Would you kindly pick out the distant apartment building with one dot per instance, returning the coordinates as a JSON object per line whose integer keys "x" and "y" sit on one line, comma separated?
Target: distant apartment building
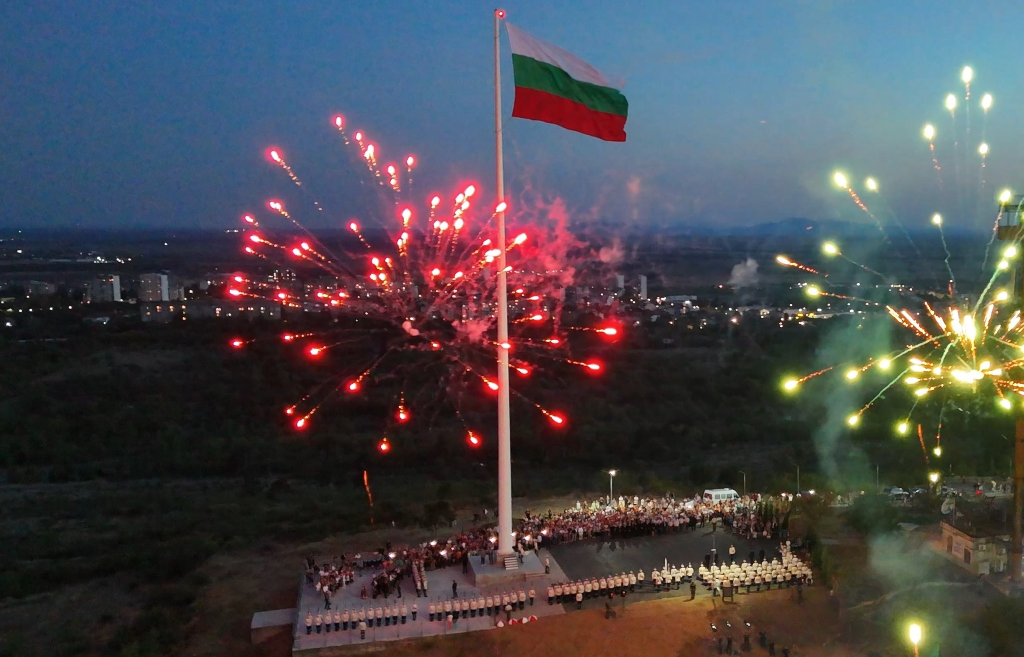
{"x": 643, "y": 288}
{"x": 103, "y": 290}
{"x": 283, "y": 276}
{"x": 40, "y": 289}
{"x": 154, "y": 287}
{"x": 166, "y": 311}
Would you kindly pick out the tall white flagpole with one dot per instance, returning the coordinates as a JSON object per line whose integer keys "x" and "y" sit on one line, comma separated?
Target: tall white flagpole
{"x": 505, "y": 543}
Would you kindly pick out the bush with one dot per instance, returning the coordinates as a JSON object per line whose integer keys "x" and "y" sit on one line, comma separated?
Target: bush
{"x": 1001, "y": 625}
{"x": 821, "y": 560}
{"x": 872, "y": 514}
{"x": 174, "y": 595}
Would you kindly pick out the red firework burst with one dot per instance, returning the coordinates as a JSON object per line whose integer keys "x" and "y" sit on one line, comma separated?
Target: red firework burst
{"x": 413, "y": 299}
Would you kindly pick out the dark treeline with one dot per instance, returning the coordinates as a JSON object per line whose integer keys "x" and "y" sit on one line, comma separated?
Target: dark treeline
{"x": 177, "y": 401}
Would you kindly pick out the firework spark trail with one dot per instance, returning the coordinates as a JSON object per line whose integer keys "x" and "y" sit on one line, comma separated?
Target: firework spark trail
{"x": 1001, "y": 267}
{"x": 881, "y": 393}
{"x": 793, "y": 384}
{"x": 815, "y": 291}
{"x": 967, "y": 75}
{"x": 920, "y": 438}
{"x": 929, "y": 135}
{"x": 832, "y": 249}
{"x": 951, "y": 106}
{"x": 786, "y": 262}
{"x": 278, "y": 158}
{"x": 983, "y": 150}
{"x": 369, "y": 494}
{"x": 938, "y": 430}
{"x": 937, "y": 222}
{"x": 839, "y": 178}
{"x": 992, "y": 238}
{"x": 986, "y": 105}
{"x": 278, "y": 207}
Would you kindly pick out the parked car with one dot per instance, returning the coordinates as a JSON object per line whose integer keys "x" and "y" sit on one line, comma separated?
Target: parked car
{"x": 897, "y": 493}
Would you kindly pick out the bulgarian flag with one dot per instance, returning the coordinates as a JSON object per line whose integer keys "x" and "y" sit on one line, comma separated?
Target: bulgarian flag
{"x": 555, "y": 86}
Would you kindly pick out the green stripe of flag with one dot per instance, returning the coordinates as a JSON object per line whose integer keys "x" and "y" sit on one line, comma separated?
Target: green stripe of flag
{"x": 538, "y": 75}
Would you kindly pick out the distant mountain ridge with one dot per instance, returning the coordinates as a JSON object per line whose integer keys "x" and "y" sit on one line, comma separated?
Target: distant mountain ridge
{"x": 799, "y": 227}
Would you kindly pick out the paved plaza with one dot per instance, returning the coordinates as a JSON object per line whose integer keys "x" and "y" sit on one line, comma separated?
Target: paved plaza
{"x": 589, "y": 558}
{"x": 600, "y": 557}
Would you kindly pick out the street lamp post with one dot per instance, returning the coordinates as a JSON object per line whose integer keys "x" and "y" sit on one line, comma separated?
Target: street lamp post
{"x": 611, "y": 478}
{"x": 744, "y": 481}
{"x": 1017, "y": 535}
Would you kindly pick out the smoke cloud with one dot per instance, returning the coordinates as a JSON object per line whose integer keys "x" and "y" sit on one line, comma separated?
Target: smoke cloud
{"x": 612, "y": 254}
{"x": 744, "y": 274}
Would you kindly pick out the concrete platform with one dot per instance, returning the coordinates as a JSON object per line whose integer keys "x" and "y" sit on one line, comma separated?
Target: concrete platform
{"x": 266, "y": 624}
{"x": 439, "y": 589}
{"x": 485, "y": 575}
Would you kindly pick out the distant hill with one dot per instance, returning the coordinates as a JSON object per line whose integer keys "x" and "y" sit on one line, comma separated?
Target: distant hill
{"x": 797, "y": 227}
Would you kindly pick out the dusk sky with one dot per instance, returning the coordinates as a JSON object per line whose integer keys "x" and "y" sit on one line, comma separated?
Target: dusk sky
{"x": 159, "y": 113}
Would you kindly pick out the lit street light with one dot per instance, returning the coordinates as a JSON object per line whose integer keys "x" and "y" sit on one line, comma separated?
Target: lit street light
{"x": 915, "y": 636}
{"x": 611, "y": 478}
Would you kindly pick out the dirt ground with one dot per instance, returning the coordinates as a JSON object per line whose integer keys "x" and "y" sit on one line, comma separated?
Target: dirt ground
{"x": 670, "y": 628}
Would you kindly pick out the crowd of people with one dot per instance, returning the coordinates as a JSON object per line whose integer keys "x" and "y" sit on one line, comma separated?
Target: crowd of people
{"x": 594, "y": 587}
{"x": 624, "y": 517}
{"x": 752, "y": 516}
{"x": 496, "y": 604}
{"x": 784, "y": 571}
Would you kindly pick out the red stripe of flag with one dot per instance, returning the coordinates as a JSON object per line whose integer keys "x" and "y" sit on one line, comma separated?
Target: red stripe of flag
{"x": 549, "y": 108}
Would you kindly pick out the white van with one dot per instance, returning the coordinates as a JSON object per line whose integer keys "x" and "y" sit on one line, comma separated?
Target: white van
{"x": 714, "y": 495}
